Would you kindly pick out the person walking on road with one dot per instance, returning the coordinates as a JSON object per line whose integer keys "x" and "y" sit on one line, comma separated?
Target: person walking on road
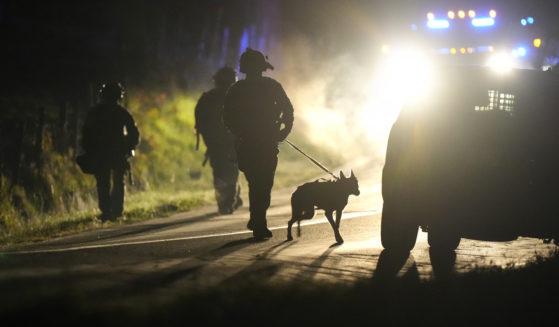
{"x": 109, "y": 137}
{"x": 219, "y": 141}
{"x": 260, "y": 115}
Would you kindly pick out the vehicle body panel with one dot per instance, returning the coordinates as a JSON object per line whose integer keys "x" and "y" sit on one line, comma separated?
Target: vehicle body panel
{"x": 487, "y": 168}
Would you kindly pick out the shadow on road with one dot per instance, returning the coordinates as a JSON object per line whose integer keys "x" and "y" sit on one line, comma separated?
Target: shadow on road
{"x": 391, "y": 262}
{"x": 234, "y": 246}
{"x": 262, "y": 268}
{"x": 244, "y": 241}
{"x": 307, "y": 273}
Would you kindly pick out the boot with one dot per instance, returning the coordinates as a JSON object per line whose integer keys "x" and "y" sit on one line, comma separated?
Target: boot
{"x": 262, "y": 234}
{"x": 259, "y": 226}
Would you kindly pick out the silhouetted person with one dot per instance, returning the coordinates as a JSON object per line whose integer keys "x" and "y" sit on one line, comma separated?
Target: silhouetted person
{"x": 220, "y": 143}
{"x": 109, "y": 138}
{"x": 260, "y": 115}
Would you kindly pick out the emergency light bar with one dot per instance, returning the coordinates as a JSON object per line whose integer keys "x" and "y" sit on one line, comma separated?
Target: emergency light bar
{"x": 433, "y": 23}
{"x": 438, "y": 24}
{"x": 483, "y": 22}
{"x": 519, "y": 52}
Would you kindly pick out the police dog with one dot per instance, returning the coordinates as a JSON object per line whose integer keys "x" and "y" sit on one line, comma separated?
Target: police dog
{"x": 329, "y": 195}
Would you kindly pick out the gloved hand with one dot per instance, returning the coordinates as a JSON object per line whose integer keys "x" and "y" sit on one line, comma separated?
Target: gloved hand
{"x": 282, "y": 135}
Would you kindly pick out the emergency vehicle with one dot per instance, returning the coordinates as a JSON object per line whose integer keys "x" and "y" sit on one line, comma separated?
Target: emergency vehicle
{"x": 478, "y": 156}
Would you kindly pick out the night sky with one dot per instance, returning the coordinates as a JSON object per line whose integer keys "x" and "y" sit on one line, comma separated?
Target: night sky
{"x": 60, "y": 46}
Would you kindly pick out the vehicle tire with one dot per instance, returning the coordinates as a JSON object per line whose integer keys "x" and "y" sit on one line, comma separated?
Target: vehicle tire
{"x": 443, "y": 238}
{"x": 398, "y": 229}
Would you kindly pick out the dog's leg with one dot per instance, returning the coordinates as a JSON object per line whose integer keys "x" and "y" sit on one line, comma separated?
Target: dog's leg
{"x": 303, "y": 214}
{"x": 289, "y": 224}
{"x": 339, "y": 238}
{"x": 338, "y": 217}
{"x": 294, "y": 213}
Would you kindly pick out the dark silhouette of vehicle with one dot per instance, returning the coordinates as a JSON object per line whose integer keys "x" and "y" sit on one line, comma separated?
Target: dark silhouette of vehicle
{"x": 479, "y": 160}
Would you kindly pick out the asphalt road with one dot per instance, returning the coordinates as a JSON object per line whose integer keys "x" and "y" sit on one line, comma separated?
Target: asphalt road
{"x": 162, "y": 257}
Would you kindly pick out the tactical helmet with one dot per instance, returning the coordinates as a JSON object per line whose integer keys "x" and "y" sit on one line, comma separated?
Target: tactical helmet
{"x": 254, "y": 60}
{"x": 225, "y": 75}
{"x": 112, "y": 92}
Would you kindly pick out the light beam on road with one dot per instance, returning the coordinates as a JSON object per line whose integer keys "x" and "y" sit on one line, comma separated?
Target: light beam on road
{"x": 349, "y": 215}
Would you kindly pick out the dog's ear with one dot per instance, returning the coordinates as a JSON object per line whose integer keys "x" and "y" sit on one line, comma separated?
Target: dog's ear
{"x": 342, "y": 176}
{"x": 352, "y": 175}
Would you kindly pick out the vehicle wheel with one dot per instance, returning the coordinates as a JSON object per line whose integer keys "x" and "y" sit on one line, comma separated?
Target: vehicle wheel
{"x": 398, "y": 230}
{"x": 443, "y": 238}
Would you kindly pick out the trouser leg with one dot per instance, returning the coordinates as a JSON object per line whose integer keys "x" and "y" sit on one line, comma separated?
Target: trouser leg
{"x": 260, "y": 178}
{"x": 225, "y": 176}
{"x": 238, "y": 201}
{"x": 117, "y": 194}
{"x": 103, "y": 179}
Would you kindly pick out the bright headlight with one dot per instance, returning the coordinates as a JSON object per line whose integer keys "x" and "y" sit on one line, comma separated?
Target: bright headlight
{"x": 408, "y": 75}
{"x": 402, "y": 77}
{"x": 500, "y": 62}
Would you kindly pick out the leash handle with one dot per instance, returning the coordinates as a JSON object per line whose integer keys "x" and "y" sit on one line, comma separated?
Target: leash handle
{"x": 311, "y": 159}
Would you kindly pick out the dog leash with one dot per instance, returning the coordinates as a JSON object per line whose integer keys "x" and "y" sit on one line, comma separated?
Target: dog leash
{"x": 311, "y": 159}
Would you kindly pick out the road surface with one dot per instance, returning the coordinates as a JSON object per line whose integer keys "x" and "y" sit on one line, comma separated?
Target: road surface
{"x": 161, "y": 257}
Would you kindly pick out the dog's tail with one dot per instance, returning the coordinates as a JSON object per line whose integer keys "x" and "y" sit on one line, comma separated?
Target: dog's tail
{"x": 298, "y": 228}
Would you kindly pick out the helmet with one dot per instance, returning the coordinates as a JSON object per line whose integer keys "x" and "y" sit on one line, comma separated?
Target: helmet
{"x": 112, "y": 92}
{"x": 254, "y": 60}
{"x": 225, "y": 75}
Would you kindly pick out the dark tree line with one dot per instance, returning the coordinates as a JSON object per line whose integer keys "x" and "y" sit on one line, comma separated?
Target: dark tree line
{"x": 60, "y": 45}
{"x": 56, "y": 54}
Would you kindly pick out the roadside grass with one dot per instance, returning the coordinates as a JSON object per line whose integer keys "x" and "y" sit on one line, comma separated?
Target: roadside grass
{"x": 146, "y": 205}
{"x": 138, "y": 207}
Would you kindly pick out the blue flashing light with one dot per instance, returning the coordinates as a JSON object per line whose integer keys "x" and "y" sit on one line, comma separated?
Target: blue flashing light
{"x": 521, "y": 51}
{"x": 443, "y": 51}
{"x": 244, "y": 42}
{"x": 523, "y": 22}
{"x": 484, "y": 48}
{"x": 530, "y": 20}
{"x": 438, "y": 23}
{"x": 483, "y": 22}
